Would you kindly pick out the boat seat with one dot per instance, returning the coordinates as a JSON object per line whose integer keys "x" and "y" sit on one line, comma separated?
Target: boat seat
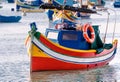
{"x": 73, "y": 39}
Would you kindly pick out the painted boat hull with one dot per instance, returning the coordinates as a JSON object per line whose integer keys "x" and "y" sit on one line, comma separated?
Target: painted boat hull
{"x": 22, "y": 4}
{"x": 46, "y": 55}
{"x": 53, "y": 64}
{"x": 10, "y": 1}
{"x": 10, "y": 18}
{"x": 116, "y": 4}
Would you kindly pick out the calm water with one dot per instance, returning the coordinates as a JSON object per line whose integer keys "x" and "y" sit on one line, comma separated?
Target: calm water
{"x": 14, "y": 61}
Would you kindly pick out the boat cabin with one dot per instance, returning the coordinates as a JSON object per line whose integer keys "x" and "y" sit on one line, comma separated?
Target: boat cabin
{"x": 74, "y": 39}
{"x": 68, "y": 38}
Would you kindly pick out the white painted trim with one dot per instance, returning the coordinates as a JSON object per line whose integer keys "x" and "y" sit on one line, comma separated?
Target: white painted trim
{"x": 62, "y": 57}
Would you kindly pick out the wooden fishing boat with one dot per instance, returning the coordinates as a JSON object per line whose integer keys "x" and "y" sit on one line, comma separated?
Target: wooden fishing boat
{"x": 50, "y": 13}
{"x": 97, "y": 2}
{"x": 28, "y": 6}
{"x": 66, "y": 50}
{"x": 116, "y": 3}
{"x": 91, "y": 4}
{"x": 83, "y": 4}
{"x": 10, "y": 18}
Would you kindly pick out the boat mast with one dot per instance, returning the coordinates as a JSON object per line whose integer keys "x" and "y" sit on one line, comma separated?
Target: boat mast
{"x": 114, "y": 25}
{"x": 113, "y": 35}
{"x": 106, "y": 27}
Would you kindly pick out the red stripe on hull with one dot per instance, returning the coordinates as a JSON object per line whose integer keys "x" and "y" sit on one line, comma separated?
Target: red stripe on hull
{"x": 42, "y": 63}
{"x": 64, "y": 51}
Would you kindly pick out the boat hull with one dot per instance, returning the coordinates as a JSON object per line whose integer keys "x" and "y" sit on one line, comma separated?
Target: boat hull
{"x": 32, "y": 6}
{"x": 53, "y": 64}
{"x": 45, "y": 56}
{"x": 10, "y": 18}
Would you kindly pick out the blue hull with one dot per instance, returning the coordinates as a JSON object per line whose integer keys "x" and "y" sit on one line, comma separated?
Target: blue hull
{"x": 10, "y": 1}
{"x": 24, "y": 4}
{"x": 116, "y": 6}
{"x": 10, "y": 18}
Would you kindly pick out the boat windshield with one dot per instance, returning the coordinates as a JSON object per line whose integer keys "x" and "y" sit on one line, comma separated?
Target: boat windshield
{"x": 67, "y": 36}
{"x": 52, "y": 35}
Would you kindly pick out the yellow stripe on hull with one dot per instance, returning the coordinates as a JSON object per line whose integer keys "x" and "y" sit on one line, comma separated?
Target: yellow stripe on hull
{"x": 36, "y": 52}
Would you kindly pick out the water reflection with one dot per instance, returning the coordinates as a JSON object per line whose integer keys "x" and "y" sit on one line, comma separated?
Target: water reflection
{"x": 109, "y": 73}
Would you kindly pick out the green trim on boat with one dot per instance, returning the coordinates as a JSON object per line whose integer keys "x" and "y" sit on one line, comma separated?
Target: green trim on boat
{"x": 37, "y": 35}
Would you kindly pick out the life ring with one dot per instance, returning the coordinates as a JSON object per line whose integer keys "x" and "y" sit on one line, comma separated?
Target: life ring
{"x": 85, "y": 34}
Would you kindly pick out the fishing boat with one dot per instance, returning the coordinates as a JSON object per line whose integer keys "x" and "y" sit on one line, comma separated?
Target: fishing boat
{"x": 83, "y": 4}
{"x": 97, "y": 2}
{"x": 50, "y": 12}
{"x": 68, "y": 53}
{"x": 116, "y": 3}
{"x": 53, "y": 14}
{"x": 91, "y": 4}
{"x": 68, "y": 48}
{"x": 28, "y": 5}
{"x": 8, "y": 19}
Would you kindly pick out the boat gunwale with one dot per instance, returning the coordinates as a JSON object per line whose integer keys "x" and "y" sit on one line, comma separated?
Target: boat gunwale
{"x": 105, "y": 51}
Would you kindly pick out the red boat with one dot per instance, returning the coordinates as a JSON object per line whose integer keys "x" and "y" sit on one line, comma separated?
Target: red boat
{"x": 50, "y": 53}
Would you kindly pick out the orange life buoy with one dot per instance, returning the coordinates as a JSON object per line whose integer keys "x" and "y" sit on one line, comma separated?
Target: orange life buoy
{"x": 85, "y": 34}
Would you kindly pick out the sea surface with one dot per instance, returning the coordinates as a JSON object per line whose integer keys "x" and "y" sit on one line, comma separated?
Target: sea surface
{"x": 15, "y": 62}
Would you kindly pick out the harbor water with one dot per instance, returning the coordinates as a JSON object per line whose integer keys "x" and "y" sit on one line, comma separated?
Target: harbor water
{"x": 15, "y": 62}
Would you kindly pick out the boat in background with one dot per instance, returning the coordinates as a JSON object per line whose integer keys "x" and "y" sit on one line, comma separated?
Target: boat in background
{"x": 27, "y": 6}
{"x": 51, "y": 12}
{"x": 83, "y": 4}
{"x": 116, "y": 3}
{"x": 98, "y": 3}
{"x": 90, "y": 4}
{"x": 9, "y": 19}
